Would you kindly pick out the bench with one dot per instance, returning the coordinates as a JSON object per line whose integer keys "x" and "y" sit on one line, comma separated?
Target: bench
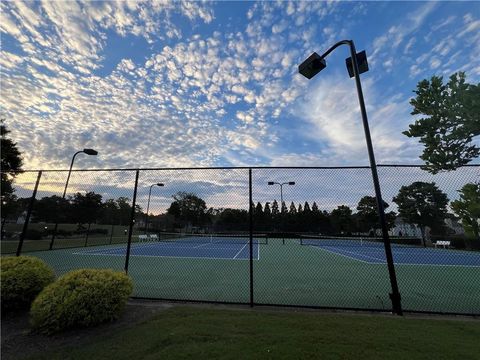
{"x": 142, "y": 238}
{"x": 153, "y": 237}
{"x": 443, "y": 243}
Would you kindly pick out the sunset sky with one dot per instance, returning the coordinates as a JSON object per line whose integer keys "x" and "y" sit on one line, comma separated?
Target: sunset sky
{"x": 162, "y": 84}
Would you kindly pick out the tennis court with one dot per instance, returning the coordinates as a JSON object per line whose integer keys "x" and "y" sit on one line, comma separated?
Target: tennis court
{"x": 373, "y": 252}
{"x": 194, "y": 246}
{"x": 301, "y": 272}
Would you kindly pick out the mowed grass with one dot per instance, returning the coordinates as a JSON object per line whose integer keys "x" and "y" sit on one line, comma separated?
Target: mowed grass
{"x": 205, "y": 333}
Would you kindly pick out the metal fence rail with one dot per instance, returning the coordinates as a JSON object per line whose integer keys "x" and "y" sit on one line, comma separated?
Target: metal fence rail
{"x": 288, "y": 236}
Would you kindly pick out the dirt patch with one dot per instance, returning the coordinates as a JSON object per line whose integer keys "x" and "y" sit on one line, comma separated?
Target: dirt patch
{"x": 18, "y": 341}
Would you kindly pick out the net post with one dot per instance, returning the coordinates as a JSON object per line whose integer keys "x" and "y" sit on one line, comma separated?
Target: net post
{"x": 250, "y": 233}
{"x": 132, "y": 219}
{"x": 29, "y": 213}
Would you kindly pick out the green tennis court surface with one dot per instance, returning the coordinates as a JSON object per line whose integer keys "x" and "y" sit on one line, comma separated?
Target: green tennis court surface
{"x": 289, "y": 274}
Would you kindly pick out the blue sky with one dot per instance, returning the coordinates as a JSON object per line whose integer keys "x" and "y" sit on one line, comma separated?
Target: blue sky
{"x": 163, "y": 84}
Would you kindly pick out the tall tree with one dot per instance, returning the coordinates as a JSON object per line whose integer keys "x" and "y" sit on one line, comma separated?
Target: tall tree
{"x": 52, "y": 209}
{"x": 452, "y": 120}
{"x": 342, "y": 219}
{"x": 86, "y": 208}
{"x": 468, "y": 208}
{"x": 275, "y": 210}
{"x": 188, "y": 208}
{"x": 422, "y": 204}
{"x": 11, "y": 164}
{"x": 368, "y": 214}
{"x": 293, "y": 209}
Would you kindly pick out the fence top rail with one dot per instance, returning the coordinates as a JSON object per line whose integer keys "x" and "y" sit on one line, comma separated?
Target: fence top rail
{"x": 232, "y": 168}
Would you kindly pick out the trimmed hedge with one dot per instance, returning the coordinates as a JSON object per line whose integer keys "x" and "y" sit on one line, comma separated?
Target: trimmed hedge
{"x": 81, "y": 298}
{"x": 22, "y": 278}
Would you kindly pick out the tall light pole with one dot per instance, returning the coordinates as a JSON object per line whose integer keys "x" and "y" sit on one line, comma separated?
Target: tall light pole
{"x": 85, "y": 151}
{"x": 148, "y": 205}
{"x": 281, "y": 198}
{"x": 357, "y": 64}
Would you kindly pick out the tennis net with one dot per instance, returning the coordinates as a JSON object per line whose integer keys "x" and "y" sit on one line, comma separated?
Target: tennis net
{"x": 356, "y": 241}
{"x": 211, "y": 238}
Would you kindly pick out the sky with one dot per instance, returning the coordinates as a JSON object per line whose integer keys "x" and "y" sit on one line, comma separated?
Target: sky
{"x": 185, "y": 84}
{"x": 196, "y": 84}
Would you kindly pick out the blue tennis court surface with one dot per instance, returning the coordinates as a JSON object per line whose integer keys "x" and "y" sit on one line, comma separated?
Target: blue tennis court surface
{"x": 211, "y": 249}
{"x": 404, "y": 255}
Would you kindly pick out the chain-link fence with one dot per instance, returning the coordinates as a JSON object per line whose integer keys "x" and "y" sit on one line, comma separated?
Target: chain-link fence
{"x": 261, "y": 236}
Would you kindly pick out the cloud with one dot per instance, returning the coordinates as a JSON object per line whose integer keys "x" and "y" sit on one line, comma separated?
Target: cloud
{"x": 333, "y": 117}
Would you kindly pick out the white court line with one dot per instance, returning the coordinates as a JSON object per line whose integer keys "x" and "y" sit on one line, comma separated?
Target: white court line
{"x": 92, "y": 253}
{"x": 338, "y": 254}
{"x": 239, "y": 251}
{"x": 199, "y": 246}
{"x": 360, "y": 254}
{"x": 396, "y": 263}
{"x": 171, "y": 257}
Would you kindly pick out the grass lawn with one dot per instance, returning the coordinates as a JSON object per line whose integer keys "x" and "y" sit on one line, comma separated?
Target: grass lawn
{"x": 204, "y": 333}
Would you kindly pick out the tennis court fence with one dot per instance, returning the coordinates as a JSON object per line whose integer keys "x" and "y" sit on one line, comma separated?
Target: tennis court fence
{"x": 279, "y": 236}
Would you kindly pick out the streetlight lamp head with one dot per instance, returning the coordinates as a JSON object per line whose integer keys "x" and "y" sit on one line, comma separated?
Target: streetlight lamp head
{"x": 271, "y": 183}
{"x": 312, "y": 66}
{"x": 160, "y": 184}
{"x": 362, "y": 63}
{"x": 291, "y": 183}
{"x": 90, "y": 151}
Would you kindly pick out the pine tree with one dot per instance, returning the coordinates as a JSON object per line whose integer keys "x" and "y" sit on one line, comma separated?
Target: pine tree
{"x": 293, "y": 209}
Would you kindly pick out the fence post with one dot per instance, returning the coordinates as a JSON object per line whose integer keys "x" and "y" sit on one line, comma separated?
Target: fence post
{"x": 251, "y": 233}
{"x": 132, "y": 220}
{"x": 111, "y": 234}
{"x": 88, "y": 233}
{"x": 29, "y": 212}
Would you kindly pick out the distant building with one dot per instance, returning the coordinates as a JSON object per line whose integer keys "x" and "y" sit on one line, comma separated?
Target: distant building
{"x": 401, "y": 228}
{"x": 455, "y": 228}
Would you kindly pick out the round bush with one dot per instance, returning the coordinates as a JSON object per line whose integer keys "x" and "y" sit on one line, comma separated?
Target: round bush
{"x": 81, "y": 298}
{"x": 22, "y": 278}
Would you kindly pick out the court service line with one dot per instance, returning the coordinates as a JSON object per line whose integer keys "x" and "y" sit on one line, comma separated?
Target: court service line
{"x": 359, "y": 254}
{"x": 238, "y": 253}
{"x": 343, "y": 255}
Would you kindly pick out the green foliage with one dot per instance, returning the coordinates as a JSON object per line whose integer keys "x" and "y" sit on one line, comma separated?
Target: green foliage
{"x": 11, "y": 163}
{"x": 342, "y": 219}
{"x": 368, "y": 214}
{"x": 22, "y": 278}
{"x": 468, "y": 208}
{"x": 188, "y": 209}
{"x": 452, "y": 119}
{"x": 81, "y": 298}
{"x": 422, "y": 203}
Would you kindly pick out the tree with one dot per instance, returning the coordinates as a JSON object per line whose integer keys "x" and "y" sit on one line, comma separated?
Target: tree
{"x": 188, "y": 209}
{"x": 368, "y": 214}
{"x": 422, "y": 204}
{"x": 342, "y": 219}
{"x": 468, "y": 208}
{"x": 86, "y": 209}
{"x": 452, "y": 120}
{"x": 293, "y": 209}
{"x": 52, "y": 209}
{"x": 124, "y": 211}
{"x": 275, "y": 210}
{"x": 11, "y": 164}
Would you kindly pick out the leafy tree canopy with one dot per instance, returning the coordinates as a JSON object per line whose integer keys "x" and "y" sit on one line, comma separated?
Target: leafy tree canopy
{"x": 368, "y": 214}
{"x": 468, "y": 208}
{"x": 11, "y": 162}
{"x": 422, "y": 203}
{"x": 452, "y": 120}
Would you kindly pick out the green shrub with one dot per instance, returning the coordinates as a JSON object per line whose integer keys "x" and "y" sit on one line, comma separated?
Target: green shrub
{"x": 22, "y": 278}
{"x": 81, "y": 298}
